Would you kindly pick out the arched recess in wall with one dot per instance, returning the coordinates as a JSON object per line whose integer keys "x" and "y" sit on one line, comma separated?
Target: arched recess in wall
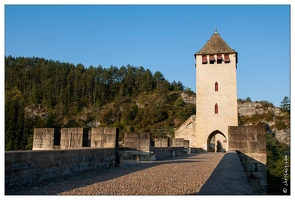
{"x": 209, "y": 143}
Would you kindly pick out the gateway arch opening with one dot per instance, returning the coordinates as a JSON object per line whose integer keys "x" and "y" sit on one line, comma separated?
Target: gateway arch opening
{"x": 216, "y": 142}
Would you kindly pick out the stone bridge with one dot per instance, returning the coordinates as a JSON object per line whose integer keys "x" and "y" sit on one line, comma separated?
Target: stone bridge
{"x": 140, "y": 169}
{"x": 189, "y": 174}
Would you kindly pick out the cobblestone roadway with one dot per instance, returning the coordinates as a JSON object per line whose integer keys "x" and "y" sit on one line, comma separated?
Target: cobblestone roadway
{"x": 178, "y": 176}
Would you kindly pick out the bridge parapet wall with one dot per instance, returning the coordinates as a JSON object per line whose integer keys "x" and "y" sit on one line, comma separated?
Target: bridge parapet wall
{"x": 228, "y": 178}
{"x": 43, "y": 138}
{"x": 167, "y": 152}
{"x": 30, "y": 167}
{"x": 71, "y": 138}
{"x": 177, "y": 142}
{"x": 75, "y": 138}
{"x": 137, "y": 141}
{"x": 104, "y": 137}
{"x": 161, "y": 142}
{"x": 250, "y": 143}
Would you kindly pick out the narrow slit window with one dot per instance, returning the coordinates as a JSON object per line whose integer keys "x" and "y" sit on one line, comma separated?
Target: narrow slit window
{"x": 204, "y": 59}
{"x": 212, "y": 59}
{"x": 216, "y": 86}
{"x": 216, "y": 108}
{"x": 219, "y": 59}
{"x": 226, "y": 58}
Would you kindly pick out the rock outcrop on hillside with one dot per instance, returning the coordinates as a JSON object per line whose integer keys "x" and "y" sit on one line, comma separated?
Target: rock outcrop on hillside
{"x": 188, "y": 98}
{"x": 254, "y": 113}
{"x": 278, "y": 123}
{"x": 251, "y": 108}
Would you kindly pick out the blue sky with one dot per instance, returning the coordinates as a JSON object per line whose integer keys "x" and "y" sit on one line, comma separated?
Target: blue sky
{"x": 160, "y": 38}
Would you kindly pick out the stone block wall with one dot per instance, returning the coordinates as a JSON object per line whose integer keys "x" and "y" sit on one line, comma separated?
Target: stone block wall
{"x": 186, "y": 144}
{"x": 104, "y": 137}
{"x": 131, "y": 140}
{"x": 177, "y": 142}
{"x": 145, "y": 141}
{"x": 137, "y": 146}
{"x": 249, "y": 140}
{"x": 178, "y": 151}
{"x": 137, "y": 141}
{"x": 161, "y": 142}
{"x": 31, "y": 167}
{"x": 43, "y": 138}
{"x": 250, "y": 143}
{"x": 75, "y": 138}
{"x": 161, "y": 152}
{"x": 167, "y": 152}
{"x": 71, "y": 138}
{"x": 188, "y": 131}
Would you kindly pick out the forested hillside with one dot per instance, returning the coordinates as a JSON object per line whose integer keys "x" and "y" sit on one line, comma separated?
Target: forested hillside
{"x": 48, "y": 93}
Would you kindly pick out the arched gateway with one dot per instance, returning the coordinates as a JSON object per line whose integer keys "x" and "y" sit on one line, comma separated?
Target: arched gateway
{"x": 215, "y": 138}
{"x": 216, "y": 95}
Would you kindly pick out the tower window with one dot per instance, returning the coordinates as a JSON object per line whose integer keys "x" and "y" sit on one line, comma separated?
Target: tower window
{"x": 226, "y": 58}
{"x": 212, "y": 59}
{"x": 204, "y": 59}
{"x": 216, "y": 108}
{"x": 219, "y": 59}
{"x": 216, "y": 86}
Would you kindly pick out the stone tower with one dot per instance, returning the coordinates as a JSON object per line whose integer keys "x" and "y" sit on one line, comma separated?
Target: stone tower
{"x": 216, "y": 97}
{"x": 216, "y": 93}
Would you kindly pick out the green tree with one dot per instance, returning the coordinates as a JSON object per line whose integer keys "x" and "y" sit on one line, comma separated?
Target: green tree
{"x": 147, "y": 84}
{"x": 159, "y": 79}
{"x": 248, "y": 99}
{"x": 266, "y": 104}
{"x": 177, "y": 86}
{"x": 14, "y": 120}
{"x": 276, "y": 163}
{"x": 285, "y": 105}
{"x": 36, "y": 95}
{"x": 179, "y": 102}
{"x": 129, "y": 113}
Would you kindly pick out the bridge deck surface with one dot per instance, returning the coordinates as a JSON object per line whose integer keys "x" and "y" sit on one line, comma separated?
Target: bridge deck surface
{"x": 182, "y": 175}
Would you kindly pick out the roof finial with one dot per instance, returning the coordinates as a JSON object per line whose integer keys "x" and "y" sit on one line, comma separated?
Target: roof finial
{"x": 215, "y": 29}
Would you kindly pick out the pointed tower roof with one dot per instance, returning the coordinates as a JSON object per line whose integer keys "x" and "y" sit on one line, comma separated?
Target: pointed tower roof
{"x": 215, "y": 45}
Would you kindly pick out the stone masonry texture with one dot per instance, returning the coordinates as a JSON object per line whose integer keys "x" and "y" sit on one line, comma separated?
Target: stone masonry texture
{"x": 43, "y": 138}
{"x": 184, "y": 175}
{"x": 250, "y": 143}
{"x": 137, "y": 141}
{"x": 29, "y": 167}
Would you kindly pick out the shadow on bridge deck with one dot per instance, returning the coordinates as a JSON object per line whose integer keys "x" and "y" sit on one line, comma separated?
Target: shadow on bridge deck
{"x": 228, "y": 178}
{"x": 56, "y": 186}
